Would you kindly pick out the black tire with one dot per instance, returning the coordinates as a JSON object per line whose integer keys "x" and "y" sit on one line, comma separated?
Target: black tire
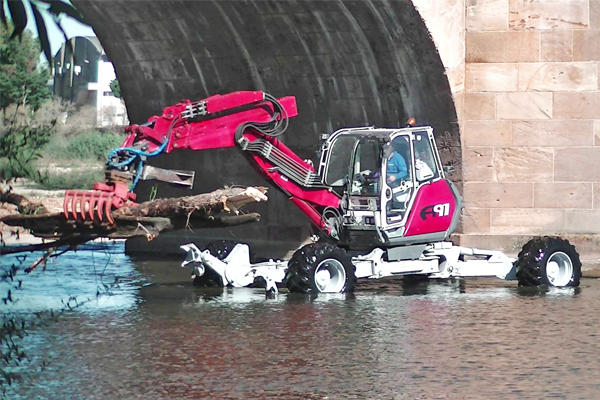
{"x": 220, "y": 249}
{"x": 538, "y": 253}
{"x": 302, "y": 269}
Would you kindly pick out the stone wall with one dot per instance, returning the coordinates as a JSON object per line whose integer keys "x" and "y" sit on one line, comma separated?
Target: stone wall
{"x": 531, "y": 122}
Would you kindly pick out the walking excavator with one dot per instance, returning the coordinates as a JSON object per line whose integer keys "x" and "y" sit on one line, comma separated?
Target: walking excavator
{"x": 378, "y": 197}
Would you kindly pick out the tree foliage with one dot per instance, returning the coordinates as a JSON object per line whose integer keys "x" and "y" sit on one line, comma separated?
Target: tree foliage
{"x": 21, "y": 82}
{"x": 56, "y": 8}
{"x": 115, "y": 88}
{"x": 20, "y": 145}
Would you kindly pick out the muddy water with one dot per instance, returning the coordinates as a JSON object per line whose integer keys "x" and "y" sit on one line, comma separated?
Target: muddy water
{"x": 156, "y": 337}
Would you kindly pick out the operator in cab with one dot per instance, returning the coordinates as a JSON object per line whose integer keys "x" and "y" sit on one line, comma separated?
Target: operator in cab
{"x": 396, "y": 167}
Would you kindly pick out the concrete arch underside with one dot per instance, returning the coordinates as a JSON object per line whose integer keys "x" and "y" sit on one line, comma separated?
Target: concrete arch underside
{"x": 349, "y": 63}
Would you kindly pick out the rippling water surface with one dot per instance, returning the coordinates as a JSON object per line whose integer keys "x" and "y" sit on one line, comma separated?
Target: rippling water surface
{"x": 157, "y": 337}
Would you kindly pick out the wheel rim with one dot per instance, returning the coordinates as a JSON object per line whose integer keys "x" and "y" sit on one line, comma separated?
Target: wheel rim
{"x": 559, "y": 269}
{"x": 330, "y": 276}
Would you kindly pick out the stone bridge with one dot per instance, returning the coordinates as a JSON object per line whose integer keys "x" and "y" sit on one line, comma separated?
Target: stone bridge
{"x": 511, "y": 87}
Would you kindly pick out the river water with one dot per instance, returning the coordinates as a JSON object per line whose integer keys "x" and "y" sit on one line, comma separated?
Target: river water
{"x": 154, "y": 336}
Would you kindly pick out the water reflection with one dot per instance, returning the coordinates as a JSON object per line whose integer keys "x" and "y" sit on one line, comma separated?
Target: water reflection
{"x": 94, "y": 268}
{"x": 165, "y": 339}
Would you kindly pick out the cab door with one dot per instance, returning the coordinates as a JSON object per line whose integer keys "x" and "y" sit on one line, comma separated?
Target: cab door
{"x": 398, "y": 183}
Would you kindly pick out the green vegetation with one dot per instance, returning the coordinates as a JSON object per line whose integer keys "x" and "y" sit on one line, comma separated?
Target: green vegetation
{"x": 76, "y": 162}
{"x": 21, "y": 82}
{"x": 90, "y": 146}
{"x": 53, "y": 160}
{"x": 56, "y": 155}
{"x": 20, "y": 147}
{"x": 33, "y": 144}
{"x": 54, "y": 8}
{"x": 115, "y": 88}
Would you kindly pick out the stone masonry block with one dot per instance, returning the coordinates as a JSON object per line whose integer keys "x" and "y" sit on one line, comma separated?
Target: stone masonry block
{"x": 586, "y": 45}
{"x": 526, "y": 105}
{"x": 459, "y": 103}
{"x": 476, "y": 220}
{"x": 523, "y": 164}
{"x": 557, "y": 45}
{"x": 478, "y": 164}
{"x": 548, "y": 14}
{"x": 521, "y": 221}
{"x": 490, "y": 77}
{"x": 597, "y": 133}
{"x": 502, "y": 47}
{"x": 562, "y": 195}
{"x": 576, "y": 105}
{"x": 487, "y": 15}
{"x": 456, "y": 78}
{"x": 487, "y": 133}
{"x": 582, "y": 221}
{"x": 596, "y": 195}
{"x": 577, "y": 164}
{"x": 552, "y": 133}
{"x": 558, "y": 77}
{"x": 479, "y": 106}
{"x": 498, "y": 195}
{"x": 594, "y": 14}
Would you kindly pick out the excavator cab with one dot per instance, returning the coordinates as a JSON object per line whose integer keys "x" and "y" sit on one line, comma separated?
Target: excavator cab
{"x": 392, "y": 185}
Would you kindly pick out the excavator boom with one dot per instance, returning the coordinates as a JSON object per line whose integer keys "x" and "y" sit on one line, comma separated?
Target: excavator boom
{"x": 251, "y": 120}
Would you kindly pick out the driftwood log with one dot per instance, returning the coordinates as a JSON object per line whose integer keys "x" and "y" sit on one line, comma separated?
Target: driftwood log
{"x": 216, "y": 209}
{"x": 24, "y": 206}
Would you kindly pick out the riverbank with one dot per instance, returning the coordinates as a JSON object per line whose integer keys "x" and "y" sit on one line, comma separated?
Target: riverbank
{"x": 51, "y": 199}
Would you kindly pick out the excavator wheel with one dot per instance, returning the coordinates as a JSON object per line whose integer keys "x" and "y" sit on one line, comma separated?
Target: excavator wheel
{"x": 320, "y": 268}
{"x": 220, "y": 249}
{"x": 549, "y": 261}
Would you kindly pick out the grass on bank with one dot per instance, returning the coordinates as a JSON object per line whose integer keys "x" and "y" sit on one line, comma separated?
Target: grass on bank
{"x": 56, "y": 146}
{"x": 67, "y": 162}
{"x": 77, "y": 161}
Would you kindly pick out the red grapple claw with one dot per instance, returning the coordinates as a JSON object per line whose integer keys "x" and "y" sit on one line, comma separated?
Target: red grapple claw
{"x": 96, "y": 203}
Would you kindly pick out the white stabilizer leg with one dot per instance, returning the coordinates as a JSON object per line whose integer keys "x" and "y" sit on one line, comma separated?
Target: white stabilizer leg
{"x": 236, "y": 269}
{"x": 464, "y": 261}
{"x": 193, "y": 254}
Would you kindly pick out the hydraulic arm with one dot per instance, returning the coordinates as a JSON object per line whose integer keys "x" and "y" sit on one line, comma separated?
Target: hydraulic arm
{"x": 251, "y": 120}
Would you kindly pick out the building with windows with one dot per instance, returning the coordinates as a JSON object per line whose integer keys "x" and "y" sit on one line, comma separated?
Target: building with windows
{"x": 82, "y": 75}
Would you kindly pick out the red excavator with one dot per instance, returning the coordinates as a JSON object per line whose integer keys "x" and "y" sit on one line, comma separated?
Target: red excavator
{"x": 379, "y": 198}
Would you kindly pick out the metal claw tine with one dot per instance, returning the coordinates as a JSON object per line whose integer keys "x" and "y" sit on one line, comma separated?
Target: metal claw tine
{"x": 93, "y": 202}
{"x": 84, "y": 202}
{"x": 66, "y": 202}
{"x": 107, "y": 210}
{"x": 100, "y": 206}
{"x": 96, "y": 204}
{"x": 75, "y": 204}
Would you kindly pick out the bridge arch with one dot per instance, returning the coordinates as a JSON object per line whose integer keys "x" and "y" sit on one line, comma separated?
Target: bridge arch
{"x": 349, "y": 63}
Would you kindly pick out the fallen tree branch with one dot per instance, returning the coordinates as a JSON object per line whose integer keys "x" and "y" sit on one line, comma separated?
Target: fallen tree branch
{"x": 42, "y": 259}
{"x": 24, "y": 206}
{"x": 229, "y": 199}
{"x": 216, "y": 209}
{"x": 72, "y": 242}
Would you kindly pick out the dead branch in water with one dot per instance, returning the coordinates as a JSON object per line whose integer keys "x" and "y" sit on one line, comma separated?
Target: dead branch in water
{"x": 216, "y": 209}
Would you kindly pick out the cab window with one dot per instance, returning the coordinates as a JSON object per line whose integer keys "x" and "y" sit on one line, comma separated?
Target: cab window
{"x": 339, "y": 160}
{"x": 425, "y": 166}
{"x": 365, "y": 176}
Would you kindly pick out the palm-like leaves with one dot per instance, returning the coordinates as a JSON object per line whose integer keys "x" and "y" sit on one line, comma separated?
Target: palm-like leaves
{"x": 55, "y": 8}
